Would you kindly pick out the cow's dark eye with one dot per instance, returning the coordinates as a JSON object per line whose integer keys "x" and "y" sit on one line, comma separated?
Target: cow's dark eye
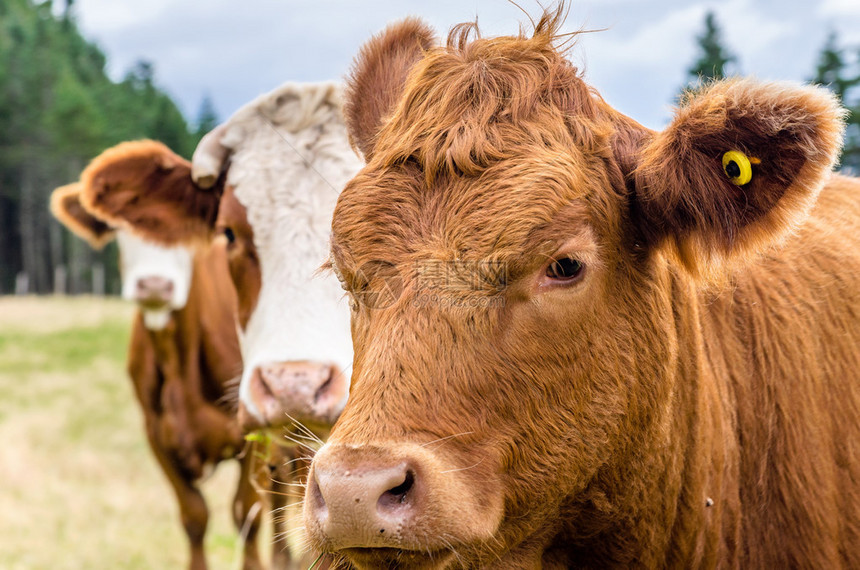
{"x": 565, "y": 269}
{"x": 228, "y": 233}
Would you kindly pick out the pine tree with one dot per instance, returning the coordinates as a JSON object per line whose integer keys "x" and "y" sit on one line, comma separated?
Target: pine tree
{"x": 58, "y": 109}
{"x": 837, "y": 72}
{"x": 831, "y": 65}
{"x": 714, "y": 60}
{"x": 207, "y": 118}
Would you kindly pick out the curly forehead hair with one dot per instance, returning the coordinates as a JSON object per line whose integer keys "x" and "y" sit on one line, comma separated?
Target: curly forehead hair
{"x": 475, "y": 101}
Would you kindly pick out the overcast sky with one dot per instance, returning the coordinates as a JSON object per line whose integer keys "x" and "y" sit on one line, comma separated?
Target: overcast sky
{"x": 234, "y": 50}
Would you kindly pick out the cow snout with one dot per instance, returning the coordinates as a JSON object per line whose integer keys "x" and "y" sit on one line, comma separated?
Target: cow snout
{"x": 364, "y": 504}
{"x": 286, "y": 392}
{"x": 398, "y": 504}
{"x": 153, "y": 291}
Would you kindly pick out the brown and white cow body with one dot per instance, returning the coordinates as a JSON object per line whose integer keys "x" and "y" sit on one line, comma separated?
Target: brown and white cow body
{"x": 266, "y": 184}
{"x": 626, "y": 358}
{"x": 267, "y": 181}
{"x": 183, "y": 360}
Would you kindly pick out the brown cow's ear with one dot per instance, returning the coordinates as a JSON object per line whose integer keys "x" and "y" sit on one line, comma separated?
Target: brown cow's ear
{"x": 784, "y": 138}
{"x": 66, "y": 207}
{"x": 377, "y": 78}
{"x": 147, "y": 188}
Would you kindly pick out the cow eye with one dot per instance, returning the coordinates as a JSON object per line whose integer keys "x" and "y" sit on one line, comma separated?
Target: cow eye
{"x": 565, "y": 269}
{"x": 228, "y": 233}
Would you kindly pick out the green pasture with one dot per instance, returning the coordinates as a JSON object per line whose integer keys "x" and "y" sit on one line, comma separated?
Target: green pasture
{"x": 79, "y": 488}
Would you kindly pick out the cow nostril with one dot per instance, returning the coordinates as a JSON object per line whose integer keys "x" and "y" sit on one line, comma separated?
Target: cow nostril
{"x": 399, "y": 494}
{"x": 264, "y": 385}
{"x": 154, "y": 286}
{"x": 323, "y": 389}
{"x": 317, "y": 501}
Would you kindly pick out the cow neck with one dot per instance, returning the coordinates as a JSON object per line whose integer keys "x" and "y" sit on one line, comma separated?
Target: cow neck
{"x": 177, "y": 347}
{"x": 679, "y": 465}
{"x": 219, "y": 361}
{"x": 706, "y": 502}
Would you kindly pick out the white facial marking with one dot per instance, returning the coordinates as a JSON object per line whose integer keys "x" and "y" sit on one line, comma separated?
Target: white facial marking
{"x": 140, "y": 259}
{"x": 291, "y": 158}
{"x": 155, "y": 319}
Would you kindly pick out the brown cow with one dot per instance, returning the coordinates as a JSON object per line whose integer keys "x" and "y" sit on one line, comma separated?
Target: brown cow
{"x": 183, "y": 358}
{"x": 610, "y": 348}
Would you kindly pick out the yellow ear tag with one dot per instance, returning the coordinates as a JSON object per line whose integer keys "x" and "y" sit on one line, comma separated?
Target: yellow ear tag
{"x": 737, "y": 167}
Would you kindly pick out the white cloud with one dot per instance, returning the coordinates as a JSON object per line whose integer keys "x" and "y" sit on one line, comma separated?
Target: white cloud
{"x": 237, "y": 50}
{"x": 830, "y": 8}
{"x": 108, "y": 16}
{"x": 748, "y": 29}
{"x": 655, "y": 43}
{"x": 843, "y": 16}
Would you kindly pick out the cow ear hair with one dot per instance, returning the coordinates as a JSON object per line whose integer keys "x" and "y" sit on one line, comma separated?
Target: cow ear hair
{"x": 738, "y": 168}
{"x": 146, "y": 188}
{"x": 67, "y": 209}
{"x": 377, "y": 78}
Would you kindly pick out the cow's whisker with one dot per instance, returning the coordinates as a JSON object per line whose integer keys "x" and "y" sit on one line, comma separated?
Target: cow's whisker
{"x": 300, "y": 443}
{"x": 304, "y": 429}
{"x": 463, "y": 468}
{"x": 446, "y": 438}
{"x": 244, "y": 532}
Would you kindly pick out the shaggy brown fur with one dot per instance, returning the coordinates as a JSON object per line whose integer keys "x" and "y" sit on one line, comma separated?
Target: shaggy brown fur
{"x": 643, "y": 414}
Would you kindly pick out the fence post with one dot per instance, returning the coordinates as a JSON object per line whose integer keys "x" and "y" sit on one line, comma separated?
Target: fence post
{"x": 98, "y": 280}
{"x": 22, "y": 283}
{"x": 60, "y": 279}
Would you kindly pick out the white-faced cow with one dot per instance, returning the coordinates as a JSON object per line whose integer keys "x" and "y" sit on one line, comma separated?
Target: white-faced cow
{"x": 183, "y": 357}
{"x": 267, "y": 181}
{"x": 612, "y": 347}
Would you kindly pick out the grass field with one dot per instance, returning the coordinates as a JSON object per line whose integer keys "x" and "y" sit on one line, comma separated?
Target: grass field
{"x": 79, "y": 488}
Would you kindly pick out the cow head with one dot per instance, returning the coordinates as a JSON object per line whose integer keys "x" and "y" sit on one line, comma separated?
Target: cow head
{"x": 155, "y": 277}
{"x": 266, "y": 184}
{"x": 539, "y": 244}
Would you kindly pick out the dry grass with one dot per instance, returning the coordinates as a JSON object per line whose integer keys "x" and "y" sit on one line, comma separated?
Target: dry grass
{"x": 79, "y": 488}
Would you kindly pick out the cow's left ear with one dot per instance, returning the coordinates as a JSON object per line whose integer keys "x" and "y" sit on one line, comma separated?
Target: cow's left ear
{"x": 67, "y": 208}
{"x": 740, "y": 165}
{"x": 144, "y": 187}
